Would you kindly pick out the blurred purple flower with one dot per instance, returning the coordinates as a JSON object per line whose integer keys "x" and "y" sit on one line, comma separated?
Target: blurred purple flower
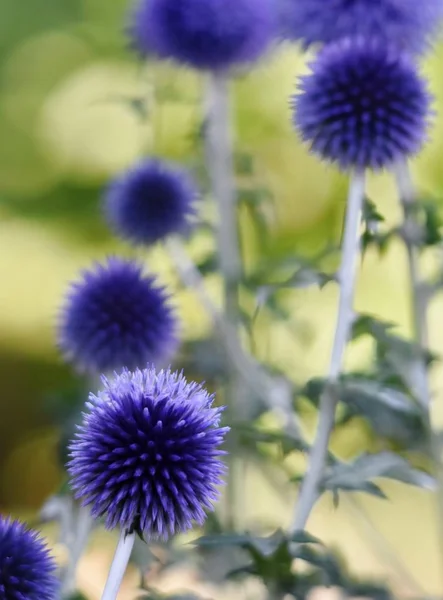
{"x": 147, "y": 456}
{"x": 408, "y": 24}
{"x": 363, "y": 105}
{"x": 204, "y": 34}
{"x": 151, "y": 201}
{"x": 27, "y": 571}
{"x": 114, "y": 317}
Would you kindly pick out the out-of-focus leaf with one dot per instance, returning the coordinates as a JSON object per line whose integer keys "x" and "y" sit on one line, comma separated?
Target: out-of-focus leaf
{"x": 307, "y": 277}
{"x": 205, "y": 358}
{"x": 374, "y": 591}
{"x": 208, "y": 265}
{"x": 250, "y": 434}
{"x": 78, "y": 596}
{"x": 368, "y": 325}
{"x": 225, "y": 539}
{"x": 433, "y": 223}
{"x": 153, "y": 594}
{"x": 381, "y": 332}
{"x": 370, "y": 212}
{"x": 303, "y": 537}
{"x": 271, "y": 557}
{"x": 255, "y": 197}
{"x": 244, "y": 163}
{"x": 65, "y": 408}
{"x": 372, "y": 234}
{"x": 390, "y": 411}
{"x": 353, "y": 485}
{"x": 357, "y": 476}
{"x": 323, "y": 560}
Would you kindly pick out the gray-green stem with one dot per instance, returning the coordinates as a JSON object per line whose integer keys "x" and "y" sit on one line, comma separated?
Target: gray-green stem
{"x": 83, "y": 525}
{"x": 347, "y": 276}
{"x": 220, "y": 163}
{"x": 119, "y": 565}
{"x": 276, "y": 393}
{"x": 411, "y": 232}
{"x": 420, "y": 381}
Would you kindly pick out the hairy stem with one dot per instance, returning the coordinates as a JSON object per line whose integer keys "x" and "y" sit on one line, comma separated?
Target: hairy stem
{"x": 119, "y": 564}
{"x": 347, "y": 276}
{"x": 219, "y": 157}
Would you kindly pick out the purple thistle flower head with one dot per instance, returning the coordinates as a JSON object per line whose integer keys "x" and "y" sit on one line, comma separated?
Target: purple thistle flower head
{"x": 150, "y": 202}
{"x": 204, "y": 34}
{"x": 115, "y": 316}
{"x": 363, "y": 105}
{"x": 147, "y": 455}
{"x": 27, "y": 571}
{"x": 407, "y": 24}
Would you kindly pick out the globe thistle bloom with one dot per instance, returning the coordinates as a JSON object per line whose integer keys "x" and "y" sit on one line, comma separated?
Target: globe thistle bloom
{"x": 147, "y": 456}
{"x": 150, "y": 202}
{"x": 407, "y": 24}
{"x": 363, "y": 105}
{"x": 115, "y": 316}
{"x": 27, "y": 571}
{"x": 204, "y": 34}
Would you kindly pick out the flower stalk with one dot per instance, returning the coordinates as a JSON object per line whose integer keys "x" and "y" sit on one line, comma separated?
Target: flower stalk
{"x": 420, "y": 381}
{"x": 83, "y": 526}
{"x": 347, "y": 277}
{"x": 119, "y": 564}
{"x": 219, "y": 157}
{"x": 419, "y": 300}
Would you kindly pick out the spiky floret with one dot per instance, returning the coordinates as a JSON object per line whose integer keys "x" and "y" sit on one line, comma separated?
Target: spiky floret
{"x": 363, "y": 104}
{"x": 150, "y": 201}
{"x": 27, "y": 571}
{"x": 116, "y": 316}
{"x": 407, "y": 24}
{"x": 204, "y": 34}
{"x": 147, "y": 455}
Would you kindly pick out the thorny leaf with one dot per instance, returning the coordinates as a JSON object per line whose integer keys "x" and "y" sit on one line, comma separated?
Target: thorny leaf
{"x": 287, "y": 443}
{"x": 244, "y": 163}
{"x": 357, "y": 476}
{"x": 391, "y": 412}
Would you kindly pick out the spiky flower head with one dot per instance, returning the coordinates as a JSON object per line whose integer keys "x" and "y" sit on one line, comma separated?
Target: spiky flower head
{"x": 204, "y": 34}
{"x": 116, "y": 316}
{"x": 151, "y": 201}
{"x": 363, "y": 105}
{"x": 147, "y": 455}
{"x": 408, "y": 24}
{"x": 27, "y": 571}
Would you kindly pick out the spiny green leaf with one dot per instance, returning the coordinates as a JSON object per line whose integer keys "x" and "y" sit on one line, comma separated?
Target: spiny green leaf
{"x": 255, "y": 197}
{"x": 303, "y": 537}
{"x": 208, "y": 265}
{"x": 244, "y": 163}
{"x": 370, "y": 212}
{"x": 225, "y": 539}
{"x": 356, "y": 476}
{"x": 288, "y": 444}
{"x": 433, "y": 223}
{"x": 324, "y": 561}
{"x": 391, "y": 412}
{"x": 370, "y": 590}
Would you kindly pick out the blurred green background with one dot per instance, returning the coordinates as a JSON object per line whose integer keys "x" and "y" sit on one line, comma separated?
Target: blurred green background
{"x": 72, "y": 114}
